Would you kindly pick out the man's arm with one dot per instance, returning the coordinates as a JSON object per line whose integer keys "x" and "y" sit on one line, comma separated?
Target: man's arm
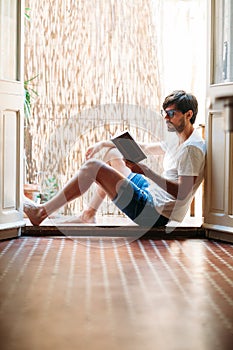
{"x": 92, "y": 150}
{"x": 149, "y": 148}
{"x": 153, "y": 148}
{"x": 179, "y": 190}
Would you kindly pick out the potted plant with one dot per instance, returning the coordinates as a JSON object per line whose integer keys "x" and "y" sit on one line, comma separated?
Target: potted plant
{"x": 31, "y": 190}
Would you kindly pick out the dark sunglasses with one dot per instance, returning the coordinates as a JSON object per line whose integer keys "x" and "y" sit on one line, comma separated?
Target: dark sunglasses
{"x": 169, "y": 113}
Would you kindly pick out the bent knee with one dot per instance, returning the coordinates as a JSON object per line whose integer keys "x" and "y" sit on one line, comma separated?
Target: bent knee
{"x": 95, "y": 168}
{"x": 94, "y": 163}
{"x": 112, "y": 154}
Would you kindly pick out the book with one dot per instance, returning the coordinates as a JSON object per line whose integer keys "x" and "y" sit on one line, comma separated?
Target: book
{"x": 128, "y": 147}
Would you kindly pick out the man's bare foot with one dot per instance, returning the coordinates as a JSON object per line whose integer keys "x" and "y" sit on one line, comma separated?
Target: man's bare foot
{"x": 86, "y": 217}
{"x": 36, "y": 214}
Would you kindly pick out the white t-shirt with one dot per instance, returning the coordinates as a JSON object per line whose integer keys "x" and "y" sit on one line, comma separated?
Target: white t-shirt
{"x": 187, "y": 159}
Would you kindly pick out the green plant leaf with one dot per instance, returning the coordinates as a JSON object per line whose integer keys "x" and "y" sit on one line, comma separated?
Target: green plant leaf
{"x": 27, "y": 81}
{"x": 28, "y": 95}
{"x": 27, "y": 16}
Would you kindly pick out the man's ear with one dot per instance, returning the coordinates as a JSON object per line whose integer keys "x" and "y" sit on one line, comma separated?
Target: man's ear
{"x": 189, "y": 114}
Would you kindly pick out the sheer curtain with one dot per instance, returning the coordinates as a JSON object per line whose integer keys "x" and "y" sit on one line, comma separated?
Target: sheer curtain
{"x": 183, "y": 56}
{"x": 182, "y": 30}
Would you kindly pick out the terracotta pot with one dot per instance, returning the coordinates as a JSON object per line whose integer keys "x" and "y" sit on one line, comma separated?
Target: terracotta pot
{"x": 31, "y": 191}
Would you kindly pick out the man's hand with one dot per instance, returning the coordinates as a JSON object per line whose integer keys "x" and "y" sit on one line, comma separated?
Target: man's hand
{"x": 139, "y": 168}
{"x": 92, "y": 150}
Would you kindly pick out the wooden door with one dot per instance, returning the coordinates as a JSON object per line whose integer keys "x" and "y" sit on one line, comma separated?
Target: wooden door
{"x": 219, "y": 184}
{"x": 11, "y": 117}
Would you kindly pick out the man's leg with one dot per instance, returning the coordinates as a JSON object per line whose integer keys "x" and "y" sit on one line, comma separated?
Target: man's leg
{"x": 92, "y": 171}
{"x": 88, "y": 216}
{"x": 114, "y": 158}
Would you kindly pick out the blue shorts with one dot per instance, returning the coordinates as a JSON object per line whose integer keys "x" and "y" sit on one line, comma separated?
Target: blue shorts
{"x": 135, "y": 200}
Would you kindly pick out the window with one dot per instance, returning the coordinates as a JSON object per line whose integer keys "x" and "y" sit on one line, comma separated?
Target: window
{"x": 223, "y": 42}
{"x": 8, "y": 39}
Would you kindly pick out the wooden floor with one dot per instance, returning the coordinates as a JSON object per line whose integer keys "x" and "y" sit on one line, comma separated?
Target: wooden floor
{"x": 110, "y": 293}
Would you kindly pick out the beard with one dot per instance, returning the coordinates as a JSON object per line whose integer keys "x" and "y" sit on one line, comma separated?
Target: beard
{"x": 178, "y": 128}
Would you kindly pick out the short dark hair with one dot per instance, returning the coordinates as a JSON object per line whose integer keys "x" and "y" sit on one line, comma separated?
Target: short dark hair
{"x": 183, "y": 102}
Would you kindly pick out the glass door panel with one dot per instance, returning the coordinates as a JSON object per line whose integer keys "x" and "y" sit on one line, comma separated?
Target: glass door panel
{"x": 223, "y": 42}
{"x": 8, "y": 39}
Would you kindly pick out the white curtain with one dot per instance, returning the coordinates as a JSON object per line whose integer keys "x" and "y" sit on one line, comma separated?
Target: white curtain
{"x": 183, "y": 49}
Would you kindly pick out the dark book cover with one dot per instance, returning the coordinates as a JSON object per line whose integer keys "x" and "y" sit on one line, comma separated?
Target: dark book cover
{"x": 128, "y": 147}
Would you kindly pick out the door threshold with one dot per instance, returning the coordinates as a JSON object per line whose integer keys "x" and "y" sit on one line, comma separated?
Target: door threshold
{"x": 114, "y": 226}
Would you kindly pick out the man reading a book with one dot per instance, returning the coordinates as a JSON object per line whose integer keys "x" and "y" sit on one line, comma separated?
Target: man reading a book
{"x": 168, "y": 196}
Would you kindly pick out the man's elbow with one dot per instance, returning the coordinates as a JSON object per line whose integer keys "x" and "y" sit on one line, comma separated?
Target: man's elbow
{"x": 185, "y": 188}
{"x": 182, "y": 195}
